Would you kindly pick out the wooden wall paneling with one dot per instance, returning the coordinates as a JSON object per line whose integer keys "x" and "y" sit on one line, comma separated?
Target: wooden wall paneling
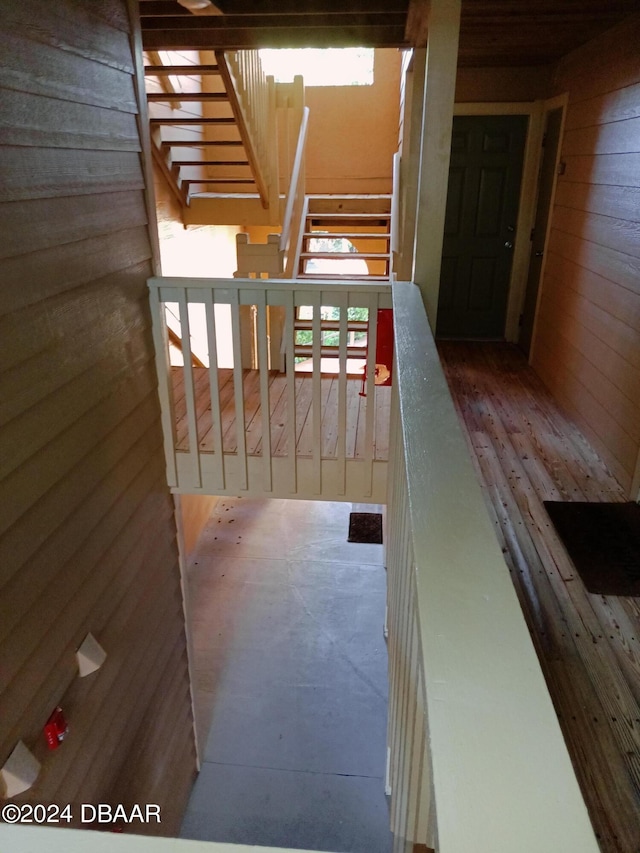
{"x": 620, "y": 304}
{"x": 618, "y": 105}
{"x": 101, "y": 519}
{"x": 64, "y": 76}
{"x": 67, "y": 450}
{"x": 593, "y": 418}
{"x": 590, "y": 71}
{"x": 46, "y": 172}
{"x": 618, "y": 202}
{"x": 621, "y": 170}
{"x": 616, "y": 343}
{"x": 157, "y": 758}
{"x": 619, "y": 419}
{"x": 130, "y": 682}
{"x": 38, "y": 380}
{"x": 88, "y": 591}
{"x": 618, "y": 137}
{"x": 44, "y": 223}
{"x": 70, "y": 26}
{"x": 69, "y": 266}
{"x": 160, "y": 651}
{"x": 57, "y": 664}
{"x": 621, "y": 235}
{"x": 90, "y": 539}
{"x": 51, "y": 322}
{"x": 146, "y": 158}
{"x": 623, "y": 270}
{"x": 55, "y": 124}
{"x": 68, "y": 495}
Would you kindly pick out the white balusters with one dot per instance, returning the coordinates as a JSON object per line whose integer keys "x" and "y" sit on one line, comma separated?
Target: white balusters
{"x": 249, "y": 423}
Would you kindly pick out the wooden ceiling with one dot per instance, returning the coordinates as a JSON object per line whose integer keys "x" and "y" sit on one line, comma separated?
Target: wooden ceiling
{"x": 492, "y": 32}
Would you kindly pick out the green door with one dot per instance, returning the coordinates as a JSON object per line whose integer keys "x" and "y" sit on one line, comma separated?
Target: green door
{"x": 480, "y": 225}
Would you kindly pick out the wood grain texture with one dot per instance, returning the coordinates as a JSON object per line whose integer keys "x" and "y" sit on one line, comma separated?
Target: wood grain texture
{"x": 253, "y": 419}
{"x": 88, "y": 539}
{"x": 39, "y": 122}
{"x": 526, "y": 451}
{"x": 587, "y": 340}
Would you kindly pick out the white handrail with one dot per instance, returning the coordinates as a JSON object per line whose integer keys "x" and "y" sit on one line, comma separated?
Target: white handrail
{"x": 252, "y": 100}
{"x": 294, "y": 206}
{"x": 394, "y": 244}
{"x": 477, "y": 757}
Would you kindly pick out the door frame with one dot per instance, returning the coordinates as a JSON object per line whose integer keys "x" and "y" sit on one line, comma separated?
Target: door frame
{"x": 559, "y": 102}
{"x": 536, "y": 112}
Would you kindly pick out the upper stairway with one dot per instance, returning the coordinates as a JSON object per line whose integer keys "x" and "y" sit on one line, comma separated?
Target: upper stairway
{"x": 346, "y": 237}
{"x": 213, "y": 130}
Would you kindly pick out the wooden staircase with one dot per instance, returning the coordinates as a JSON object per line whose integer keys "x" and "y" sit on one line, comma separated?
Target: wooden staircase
{"x": 202, "y": 123}
{"x": 349, "y": 228}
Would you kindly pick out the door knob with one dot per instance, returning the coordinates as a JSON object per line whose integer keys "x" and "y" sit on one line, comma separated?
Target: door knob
{"x": 508, "y": 245}
{"x": 539, "y": 254}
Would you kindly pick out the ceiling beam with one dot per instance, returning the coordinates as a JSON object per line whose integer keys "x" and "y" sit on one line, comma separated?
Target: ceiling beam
{"x": 278, "y": 7}
{"x": 236, "y": 39}
{"x": 417, "y": 27}
{"x": 283, "y": 22}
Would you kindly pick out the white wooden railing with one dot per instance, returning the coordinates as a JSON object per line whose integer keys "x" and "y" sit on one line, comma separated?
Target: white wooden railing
{"x": 278, "y": 257}
{"x": 476, "y": 756}
{"x": 394, "y": 241}
{"x": 295, "y": 209}
{"x": 252, "y": 96}
{"x": 321, "y": 439}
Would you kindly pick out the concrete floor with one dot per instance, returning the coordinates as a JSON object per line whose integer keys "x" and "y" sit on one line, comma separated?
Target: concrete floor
{"x": 291, "y": 671}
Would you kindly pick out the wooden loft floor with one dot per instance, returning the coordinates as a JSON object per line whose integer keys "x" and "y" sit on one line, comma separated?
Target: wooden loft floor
{"x": 278, "y": 418}
{"x": 526, "y": 451}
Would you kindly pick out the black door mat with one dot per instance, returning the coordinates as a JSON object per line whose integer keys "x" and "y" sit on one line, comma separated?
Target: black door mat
{"x": 603, "y": 540}
{"x": 365, "y": 527}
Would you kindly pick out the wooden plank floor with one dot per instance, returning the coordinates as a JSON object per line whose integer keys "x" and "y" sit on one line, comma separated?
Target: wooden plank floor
{"x": 526, "y": 451}
{"x": 355, "y": 423}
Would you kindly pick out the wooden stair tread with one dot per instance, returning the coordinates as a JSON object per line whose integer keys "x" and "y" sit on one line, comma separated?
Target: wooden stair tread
{"x": 200, "y": 143}
{"x": 188, "y": 96}
{"x": 218, "y": 181}
{"x": 342, "y": 217}
{"x": 339, "y": 256}
{"x": 180, "y": 70}
{"x": 189, "y": 122}
{"x": 346, "y": 235}
{"x": 341, "y": 276}
{"x": 210, "y": 163}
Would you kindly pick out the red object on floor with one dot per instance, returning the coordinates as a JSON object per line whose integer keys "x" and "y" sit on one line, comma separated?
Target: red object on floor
{"x": 55, "y": 729}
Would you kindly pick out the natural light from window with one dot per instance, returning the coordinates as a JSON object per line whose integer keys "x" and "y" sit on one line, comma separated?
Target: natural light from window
{"x": 331, "y": 66}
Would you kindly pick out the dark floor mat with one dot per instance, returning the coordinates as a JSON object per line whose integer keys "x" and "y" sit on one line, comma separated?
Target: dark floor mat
{"x": 603, "y": 540}
{"x": 365, "y": 527}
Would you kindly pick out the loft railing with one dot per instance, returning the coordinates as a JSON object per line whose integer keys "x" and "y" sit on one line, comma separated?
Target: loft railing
{"x": 238, "y": 426}
{"x": 252, "y": 96}
{"x": 476, "y": 756}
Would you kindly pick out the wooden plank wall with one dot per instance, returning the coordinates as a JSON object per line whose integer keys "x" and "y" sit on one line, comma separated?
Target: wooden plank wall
{"x": 587, "y": 339}
{"x": 87, "y": 531}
